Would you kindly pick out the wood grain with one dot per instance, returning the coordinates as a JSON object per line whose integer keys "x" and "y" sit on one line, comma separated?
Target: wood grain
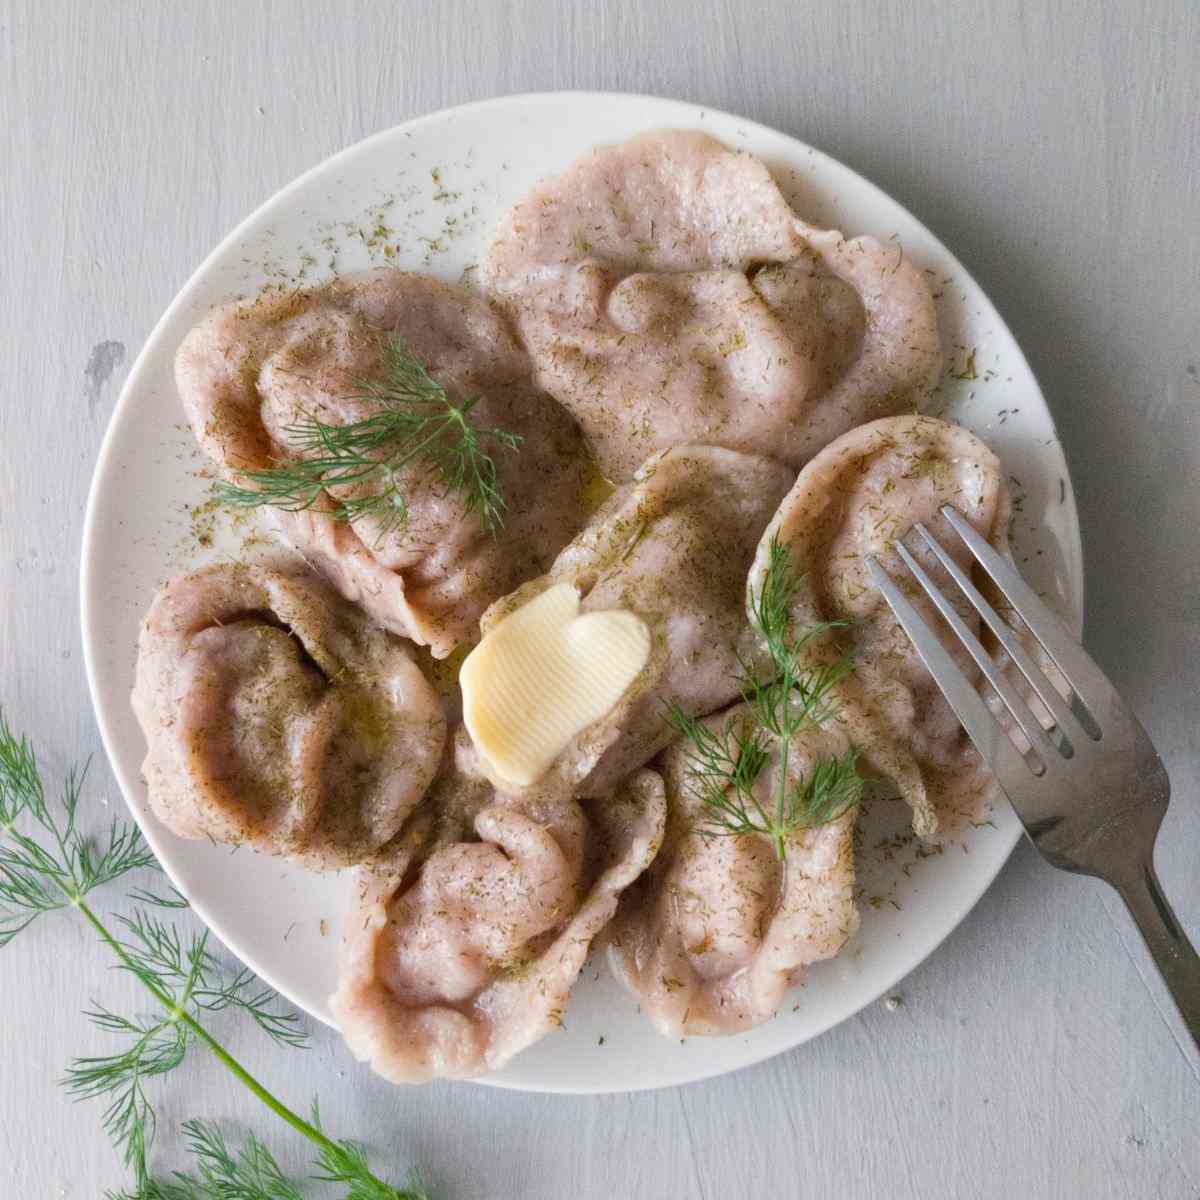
{"x": 1054, "y": 147}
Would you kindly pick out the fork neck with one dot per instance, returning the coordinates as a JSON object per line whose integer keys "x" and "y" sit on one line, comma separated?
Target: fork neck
{"x": 1173, "y": 953}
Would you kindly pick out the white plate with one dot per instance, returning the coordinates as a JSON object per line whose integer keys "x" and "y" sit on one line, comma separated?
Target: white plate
{"x": 427, "y": 195}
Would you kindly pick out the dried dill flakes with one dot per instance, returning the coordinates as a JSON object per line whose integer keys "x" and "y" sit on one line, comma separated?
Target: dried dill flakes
{"x": 386, "y": 229}
{"x": 441, "y": 193}
{"x": 203, "y": 522}
{"x": 968, "y": 371}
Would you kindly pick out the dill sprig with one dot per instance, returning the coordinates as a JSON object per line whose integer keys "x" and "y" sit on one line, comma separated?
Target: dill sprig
{"x": 724, "y": 765}
{"x": 55, "y": 867}
{"x": 252, "y": 1173}
{"x": 47, "y": 863}
{"x": 156, "y": 954}
{"x": 346, "y": 1162}
{"x": 415, "y": 420}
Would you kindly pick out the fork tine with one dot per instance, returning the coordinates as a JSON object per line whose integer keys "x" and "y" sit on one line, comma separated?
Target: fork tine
{"x": 1012, "y": 700}
{"x": 1088, "y": 682}
{"x": 1068, "y": 720}
{"x": 982, "y": 727}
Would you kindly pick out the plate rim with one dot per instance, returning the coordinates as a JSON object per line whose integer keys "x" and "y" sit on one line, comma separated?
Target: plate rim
{"x": 89, "y": 574}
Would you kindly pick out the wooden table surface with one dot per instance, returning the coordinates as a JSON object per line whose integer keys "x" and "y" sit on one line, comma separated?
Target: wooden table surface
{"x": 1054, "y": 147}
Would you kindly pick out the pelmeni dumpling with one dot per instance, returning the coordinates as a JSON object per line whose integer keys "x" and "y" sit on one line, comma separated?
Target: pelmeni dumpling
{"x": 669, "y": 295}
{"x": 250, "y": 373}
{"x": 461, "y": 951}
{"x": 711, "y": 937}
{"x": 854, "y": 499}
{"x": 671, "y": 551}
{"x": 279, "y": 718}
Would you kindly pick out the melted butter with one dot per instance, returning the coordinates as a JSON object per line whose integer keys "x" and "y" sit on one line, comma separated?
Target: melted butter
{"x": 544, "y": 674}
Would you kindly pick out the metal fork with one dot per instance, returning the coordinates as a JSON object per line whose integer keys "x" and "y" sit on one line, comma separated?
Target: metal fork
{"x": 1091, "y": 790}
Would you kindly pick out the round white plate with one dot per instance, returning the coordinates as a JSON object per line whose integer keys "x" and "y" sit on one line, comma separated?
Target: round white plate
{"x": 427, "y": 195}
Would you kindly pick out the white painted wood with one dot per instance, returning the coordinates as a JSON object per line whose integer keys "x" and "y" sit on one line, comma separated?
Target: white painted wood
{"x": 1054, "y": 147}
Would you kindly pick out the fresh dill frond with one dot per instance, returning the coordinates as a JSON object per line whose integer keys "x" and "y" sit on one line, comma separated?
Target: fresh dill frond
{"x": 46, "y": 864}
{"x": 250, "y": 1174}
{"x": 788, "y": 696}
{"x": 789, "y": 693}
{"x": 253, "y": 1173}
{"x": 55, "y": 866}
{"x": 345, "y": 1162}
{"x": 833, "y": 787}
{"x": 724, "y": 765}
{"x": 146, "y": 896}
{"x": 415, "y": 421}
{"x": 156, "y": 953}
{"x": 187, "y": 980}
{"x": 771, "y": 605}
{"x": 155, "y": 1047}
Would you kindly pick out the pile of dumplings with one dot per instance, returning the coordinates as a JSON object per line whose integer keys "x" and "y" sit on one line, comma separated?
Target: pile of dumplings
{"x": 659, "y": 318}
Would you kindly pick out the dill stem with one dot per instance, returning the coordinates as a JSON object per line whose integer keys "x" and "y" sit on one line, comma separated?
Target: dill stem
{"x": 780, "y": 803}
{"x": 786, "y": 730}
{"x": 439, "y": 429}
{"x": 176, "y": 1013}
{"x": 766, "y": 821}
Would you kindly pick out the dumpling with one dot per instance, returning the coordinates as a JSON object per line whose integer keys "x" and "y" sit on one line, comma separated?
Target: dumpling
{"x": 249, "y": 373}
{"x": 853, "y": 500}
{"x": 462, "y": 951}
{"x": 673, "y": 547}
{"x": 279, "y": 718}
{"x": 711, "y": 937}
{"x": 668, "y": 294}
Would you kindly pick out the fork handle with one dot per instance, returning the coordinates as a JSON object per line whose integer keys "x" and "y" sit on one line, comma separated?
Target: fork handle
{"x": 1174, "y": 955}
